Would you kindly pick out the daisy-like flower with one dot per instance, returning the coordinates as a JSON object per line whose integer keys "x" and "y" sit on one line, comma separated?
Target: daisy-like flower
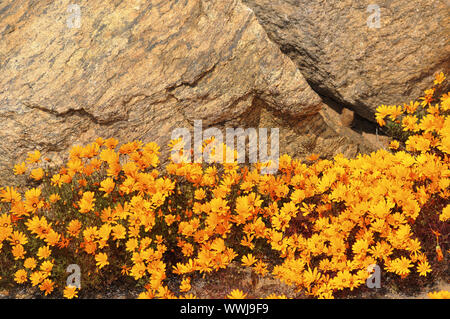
{"x": 37, "y": 174}
{"x": 248, "y": 260}
{"x": 185, "y": 285}
{"x": 423, "y": 268}
{"x": 439, "y": 78}
{"x": 30, "y": 263}
{"x": 9, "y": 194}
{"x": 107, "y": 186}
{"x": 20, "y": 169}
{"x": 102, "y": 260}
{"x": 54, "y": 198}
{"x": 33, "y": 202}
{"x": 47, "y": 286}
{"x": 236, "y": 294}
{"x": 394, "y": 145}
{"x": 44, "y": 252}
{"x": 34, "y": 157}
{"x": 70, "y": 292}
{"x": 21, "y": 276}
{"x": 439, "y": 294}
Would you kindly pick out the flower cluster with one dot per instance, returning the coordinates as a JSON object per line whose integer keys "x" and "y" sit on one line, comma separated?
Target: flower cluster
{"x": 320, "y": 225}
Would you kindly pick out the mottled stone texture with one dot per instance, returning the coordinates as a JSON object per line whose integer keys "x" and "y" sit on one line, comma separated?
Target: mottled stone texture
{"x": 361, "y": 67}
{"x": 139, "y": 69}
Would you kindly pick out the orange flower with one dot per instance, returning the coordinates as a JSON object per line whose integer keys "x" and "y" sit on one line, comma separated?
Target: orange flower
{"x": 439, "y": 254}
{"x": 54, "y": 198}
{"x": 19, "y": 169}
{"x": 439, "y": 78}
{"x": 87, "y": 202}
{"x": 107, "y": 186}
{"x": 102, "y": 260}
{"x": 30, "y": 263}
{"x": 18, "y": 252}
{"x": 21, "y": 276}
{"x": 236, "y": 294}
{"x": 248, "y": 260}
{"x": 10, "y": 195}
{"x": 47, "y": 286}
{"x": 111, "y": 143}
{"x": 313, "y": 157}
{"x": 44, "y": 252}
{"x": 34, "y": 157}
{"x": 70, "y": 292}
{"x": 74, "y": 227}
{"x": 33, "y": 201}
{"x": 394, "y": 145}
{"x": 37, "y": 174}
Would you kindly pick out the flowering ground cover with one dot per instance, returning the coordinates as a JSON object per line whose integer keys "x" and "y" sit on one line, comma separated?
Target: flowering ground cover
{"x": 318, "y": 226}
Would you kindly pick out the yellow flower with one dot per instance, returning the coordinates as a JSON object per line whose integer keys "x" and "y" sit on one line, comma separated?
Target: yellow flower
{"x": 36, "y": 278}
{"x": 111, "y": 143}
{"x": 342, "y": 280}
{"x": 138, "y": 270}
{"x": 46, "y": 266}
{"x": 411, "y": 107}
{"x": 445, "y": 215}
{"x": 18, "y": 252}
{"x": 118, "y": 232}
{"x": 401, "y": 266}
{"x": 248, "y": 260}
{"x": 19, "y": 169}
{"x": 47, "y": 286}
{"x": 10, "y": 195}
{"x": 102, "y": 260}
{"x": 185, "y": 285}
{"x": 107, "y": 186}
{"x": 34, "y": 157}
{"x": 70, "y": 292}
{"x": 30, "y": 263}
{"x": 37, "y": 174}
{"x": 439, "y": 294}
{"x": 394, "y": 145}
{"x": 439, "y": 78}
{"x": 428, "y": 98}
{"x": 56, "y": 180}
{"x": 54, "y": 198}
{"x": 199, "y": 194}
{"x": 423, "y": 268}
{"x": 52, "y": 238}
{"x": 395, "y": 111}
{"x": 18, "y": 238}
{"x": 131, "y": 244}
{"x": 87, "y": 202}
{"x": 409, "y": 123}
{"x": 33, "y": 202}
{"x": 260, "y": 268}
{"x": 310, "y": 276}
{"x": 74, "y": 227}
{"x": 44, "y": 252}
{"x": 20, "y": 276}
{"x": 236, "y": 294}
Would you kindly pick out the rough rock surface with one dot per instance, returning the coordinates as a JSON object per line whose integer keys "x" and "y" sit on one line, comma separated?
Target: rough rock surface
{"x": 343, "y": 55}
{"x": 139, "y": 69}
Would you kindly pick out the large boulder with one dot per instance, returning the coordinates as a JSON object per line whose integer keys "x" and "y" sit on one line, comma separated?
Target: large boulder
{"x": 349, "y": 53}
{"x": 139, "y": 69}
